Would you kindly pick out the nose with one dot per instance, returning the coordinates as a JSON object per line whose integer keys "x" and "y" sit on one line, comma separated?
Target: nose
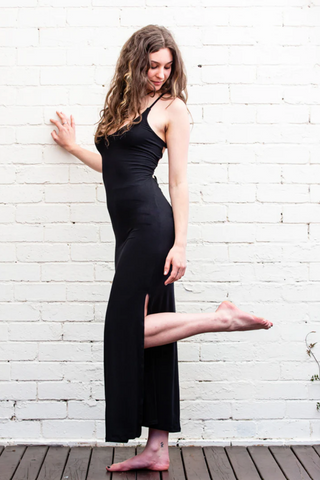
{"x": 160, "y": 75}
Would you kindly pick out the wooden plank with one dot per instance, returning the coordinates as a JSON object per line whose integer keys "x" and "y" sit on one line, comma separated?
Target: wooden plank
{"x": 176, "y": 471}
{"x": 194, "y": 463}
{"x": 289, "y": 464}
{"x": 309, "y": 459}
{"x": 30, "y": 463}
{"x": 100, "y": 458}
{"x": 146, "y": 474}
{"x": 9, "y": 460}
{"x": 242, "y": 463}
{"x": 218, "y": 463}
{"x": 265, "y": 463}
{"x": 54, "y": 463}
{"x": 77, "y": 464}
{"x": 317, "y": 449}
{"x": 120, "y": 455}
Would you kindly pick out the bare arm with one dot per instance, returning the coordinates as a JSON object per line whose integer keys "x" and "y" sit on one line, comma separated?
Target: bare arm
{"x": 66, "y": 139}
{"x": 93, "y": 160}
{"x": 177, "y": 137}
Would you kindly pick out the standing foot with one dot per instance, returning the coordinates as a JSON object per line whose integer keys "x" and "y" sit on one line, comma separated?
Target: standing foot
{"x": 233, "y": 319}
{"x": 150, "y": 459}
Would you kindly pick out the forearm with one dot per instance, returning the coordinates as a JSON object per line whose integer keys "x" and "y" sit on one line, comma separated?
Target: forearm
{"x": 179, "y": 195}
{"x": 93, "y": 160}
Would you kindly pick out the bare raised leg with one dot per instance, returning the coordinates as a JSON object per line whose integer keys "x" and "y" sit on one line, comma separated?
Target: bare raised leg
{"x": 155, "y": 456}
{"x": 167, "y": 327}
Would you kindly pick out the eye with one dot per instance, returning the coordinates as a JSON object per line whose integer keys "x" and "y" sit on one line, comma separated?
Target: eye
{"x": 166, "y": 68}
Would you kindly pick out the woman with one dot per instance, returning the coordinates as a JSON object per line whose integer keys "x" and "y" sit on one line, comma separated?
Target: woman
{"x": 144, "y": 113}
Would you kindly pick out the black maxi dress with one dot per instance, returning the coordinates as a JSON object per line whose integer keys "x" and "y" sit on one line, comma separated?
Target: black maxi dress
{"x": 141, "y": 385}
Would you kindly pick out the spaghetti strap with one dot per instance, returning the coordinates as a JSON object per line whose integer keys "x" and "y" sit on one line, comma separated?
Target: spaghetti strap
{"x": 156, "y": 100}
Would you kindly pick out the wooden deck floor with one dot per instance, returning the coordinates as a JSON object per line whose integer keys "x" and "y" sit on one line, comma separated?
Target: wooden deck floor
{"x": 22, "y": 462}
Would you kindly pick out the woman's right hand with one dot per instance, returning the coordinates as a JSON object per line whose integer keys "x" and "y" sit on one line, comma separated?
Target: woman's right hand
{"x": 66, "y": 136}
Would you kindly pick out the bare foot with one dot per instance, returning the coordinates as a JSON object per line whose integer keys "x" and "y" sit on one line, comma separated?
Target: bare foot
{"x": 237, "y": 319}
{"x": 149, "y": 459}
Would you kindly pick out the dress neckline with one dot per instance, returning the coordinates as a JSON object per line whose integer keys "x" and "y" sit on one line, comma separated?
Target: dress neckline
{"x": 121, "y": 128}
{"x": 148, "y": 108}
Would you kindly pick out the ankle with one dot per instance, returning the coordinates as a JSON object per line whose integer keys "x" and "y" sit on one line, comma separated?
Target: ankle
{"x": 222, "y": 322}
{"x": 156, "y": 445}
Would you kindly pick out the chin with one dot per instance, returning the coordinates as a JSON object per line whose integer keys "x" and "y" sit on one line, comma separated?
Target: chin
{"x": 155, "y": 88}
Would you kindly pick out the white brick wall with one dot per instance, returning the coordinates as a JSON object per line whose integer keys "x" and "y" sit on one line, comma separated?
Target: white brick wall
{"x": 254, "y": 233}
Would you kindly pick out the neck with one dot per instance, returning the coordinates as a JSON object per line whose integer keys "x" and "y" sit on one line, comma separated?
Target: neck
{"x": 149, "y": 92}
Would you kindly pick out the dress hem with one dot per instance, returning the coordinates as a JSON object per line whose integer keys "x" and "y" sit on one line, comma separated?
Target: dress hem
{"x": 167, "y": 429}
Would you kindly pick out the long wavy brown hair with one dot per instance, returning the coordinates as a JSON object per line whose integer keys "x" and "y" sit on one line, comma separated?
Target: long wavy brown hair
{"x": 130, "y": 81}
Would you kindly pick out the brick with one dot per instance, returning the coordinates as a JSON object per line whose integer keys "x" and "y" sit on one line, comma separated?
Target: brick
{"x": 18, "y": 350}
{"x": 63, "y": 390}
{"x": 28, "y": 430}
{"x": 37, "y": 371}
{"x": 23, "y": 331}
{"x": 71, "y": 272}
{"x": 42, "y": 214}
{"x": 6, "y": 410}
{"x": 68, "y": 429}
{"x": 57, "y": 312}
{"x": 41, "y": 410}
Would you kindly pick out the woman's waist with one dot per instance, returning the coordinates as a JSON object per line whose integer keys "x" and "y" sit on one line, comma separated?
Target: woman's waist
{"x": 128, "y": 188}
{"x": 136, "y": 201}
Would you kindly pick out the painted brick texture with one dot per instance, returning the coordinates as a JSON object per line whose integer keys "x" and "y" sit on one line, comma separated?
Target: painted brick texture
{"x": 254, "y": 232}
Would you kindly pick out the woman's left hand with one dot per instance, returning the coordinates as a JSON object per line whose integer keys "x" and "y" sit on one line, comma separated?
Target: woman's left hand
{"x": 176, "y": 257}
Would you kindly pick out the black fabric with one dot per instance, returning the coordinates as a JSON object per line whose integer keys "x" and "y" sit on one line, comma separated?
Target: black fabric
{"x": 141, "y": 385}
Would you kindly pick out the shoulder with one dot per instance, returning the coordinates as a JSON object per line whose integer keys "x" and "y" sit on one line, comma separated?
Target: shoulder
{"x": 174, "y": 104}
{"x": 176, "y": 110}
